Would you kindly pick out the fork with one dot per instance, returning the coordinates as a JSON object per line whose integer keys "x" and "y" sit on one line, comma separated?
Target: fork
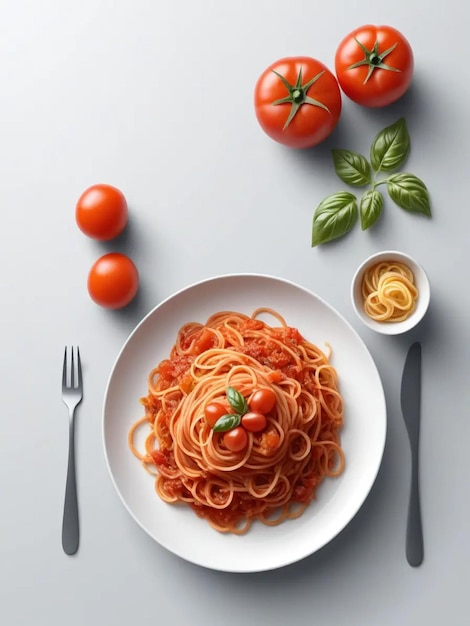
{"x": 72, "y": 392}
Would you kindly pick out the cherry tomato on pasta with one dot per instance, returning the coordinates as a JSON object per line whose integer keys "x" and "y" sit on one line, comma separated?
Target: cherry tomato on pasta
{"x": 263, "y": 400}
{"x": 254, "y": 421}
{"x": 101, "y": 212}
{"x": 213, "y": 411}
{"x": 297, "y": 101}
{"x": 236, "y": 439}
{"x": 113, "y": 280}
{"x": 374, "y": 65}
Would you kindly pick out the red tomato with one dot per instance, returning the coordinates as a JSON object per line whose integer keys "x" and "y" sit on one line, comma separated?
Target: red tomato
{"x": 263, "y": 400}
{"x": 275, "y": 376}
{"x": 236, "y": 439}
{"x": 161, "y": 458}
{"x": 113, "y": 280}
{"x": 214, "y": 411}
{"x": 254, "y": 421}
{"x": 204, "y": 342}
{"x": 269, "y": 442}
{"x": 101, "y": 212}
{"x": 297, "y": 101}
{"x": 374, "y": 65}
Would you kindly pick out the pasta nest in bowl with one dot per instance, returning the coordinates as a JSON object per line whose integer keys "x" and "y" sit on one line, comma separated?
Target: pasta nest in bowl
{"x": 390, "y": 292}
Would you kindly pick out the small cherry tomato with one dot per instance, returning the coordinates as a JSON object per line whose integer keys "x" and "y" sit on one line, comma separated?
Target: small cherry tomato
{"x": 374, "y": 65}
{"x": 214, "y": 411}
{"x": 254, "y": 421}
{"x": 101, "y": 212}
{"x": 263, "y": 400}
{"x": 297, "y": 101}
{"x": 113, "y": 280}
{"x": 236, "y": 439}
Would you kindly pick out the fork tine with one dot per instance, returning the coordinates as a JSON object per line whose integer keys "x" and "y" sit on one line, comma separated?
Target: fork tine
{"x": 79, "y": 369}
{"x": 72, "y": 371}
{"x": 64, "y": 370}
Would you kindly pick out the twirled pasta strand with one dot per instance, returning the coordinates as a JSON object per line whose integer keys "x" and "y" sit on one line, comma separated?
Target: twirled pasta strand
{"x": 389, "y": 292}
{"x": 276, "y": 476}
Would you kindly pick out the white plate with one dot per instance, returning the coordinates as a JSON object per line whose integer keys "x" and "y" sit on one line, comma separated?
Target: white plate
{"x": 177, "y": 528}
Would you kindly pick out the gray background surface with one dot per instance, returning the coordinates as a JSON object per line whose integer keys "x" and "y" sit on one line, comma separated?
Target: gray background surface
{"x": 156, "y": 98}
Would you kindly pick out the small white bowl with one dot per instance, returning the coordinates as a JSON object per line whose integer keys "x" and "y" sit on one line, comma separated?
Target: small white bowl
{"x": 421, "y": 282}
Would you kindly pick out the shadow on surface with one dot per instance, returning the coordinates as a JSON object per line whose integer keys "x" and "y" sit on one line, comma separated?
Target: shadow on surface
{"x": 327, "y": 562}
{"x": 431, "y": 326}
{"x": 132, "y": 242}
{"x": 413, "y": 106}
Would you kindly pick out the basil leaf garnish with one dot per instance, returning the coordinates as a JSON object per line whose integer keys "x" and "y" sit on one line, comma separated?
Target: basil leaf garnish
{"x": 409, "y": 192}
{"x": 227, "y": 422}
{"x": 236, "y": 401}
{"x": 351, "y": 167}
{"x": 370, "y": 208}
{"x": 334, "y": 217}
{"x": 337, "y": 213}
{"x": 390, "y": 147}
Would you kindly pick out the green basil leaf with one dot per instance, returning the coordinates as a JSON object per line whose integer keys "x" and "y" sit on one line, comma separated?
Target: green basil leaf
{"x": 334, "y": 217}
{"x": 351, "y": 167}
{"x": 390, "y": 147}
{"x": 236, "y": 401}
{"x": 227, "y": 422}
{"x": 371, "y": 208}
{"x": 409, "y": 192}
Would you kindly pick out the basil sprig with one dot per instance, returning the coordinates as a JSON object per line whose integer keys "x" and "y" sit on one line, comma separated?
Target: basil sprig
{"x": 336, "y": 214}
{"x": 353, "y": 168}
{"x": 334, "y": 217}
{"x": 227, "y": 422}
{"x": 390, "y": 147}
{"x": 232, "y": 420}
{"x": 371, "y": 208}
{"x": 236, "y": 400}
{"x": 409, "y": 193}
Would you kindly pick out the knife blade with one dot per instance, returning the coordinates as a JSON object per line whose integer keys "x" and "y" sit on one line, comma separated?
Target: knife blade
{"x": 411, "y": 409}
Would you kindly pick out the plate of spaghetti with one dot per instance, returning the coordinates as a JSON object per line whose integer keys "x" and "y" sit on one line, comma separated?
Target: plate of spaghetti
{"x": 244, "y": 423}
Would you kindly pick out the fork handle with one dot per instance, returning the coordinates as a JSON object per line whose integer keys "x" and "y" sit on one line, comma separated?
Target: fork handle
{"x": 70, "y": 527}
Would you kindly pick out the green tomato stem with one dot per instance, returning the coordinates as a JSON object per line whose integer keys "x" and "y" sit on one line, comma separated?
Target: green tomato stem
{"x": 297, "y": 95}
{"x": 374, "y": 59}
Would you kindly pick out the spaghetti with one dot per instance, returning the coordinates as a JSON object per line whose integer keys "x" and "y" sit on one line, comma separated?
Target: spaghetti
{"x": 277, "y": 474}
{"x": 389, "y": 292}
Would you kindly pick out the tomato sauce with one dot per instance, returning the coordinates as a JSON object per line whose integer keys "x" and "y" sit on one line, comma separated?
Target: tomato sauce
{"x": 268, "y": 350}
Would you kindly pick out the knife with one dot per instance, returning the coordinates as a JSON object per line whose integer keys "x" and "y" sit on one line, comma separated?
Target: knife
{"x": 411, "y": 409}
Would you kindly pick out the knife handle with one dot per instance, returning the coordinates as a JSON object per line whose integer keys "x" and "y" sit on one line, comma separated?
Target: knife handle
{"x": 414, "y": 530}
